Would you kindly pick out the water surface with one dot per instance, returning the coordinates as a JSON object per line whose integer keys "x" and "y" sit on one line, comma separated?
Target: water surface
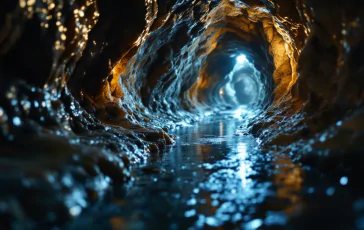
{"x": 217, "y": 177}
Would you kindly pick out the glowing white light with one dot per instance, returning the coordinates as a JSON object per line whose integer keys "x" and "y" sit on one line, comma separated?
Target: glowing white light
{"x": 244, "y": 168}
{"x": 221, "y": 129}
{"x": 244, "y": 111}
{"x": 239, "y": 112}
{"x": 241, "y": 59}
{"x": 16, "y": 121}
{"x": 75, "y": 210}
{"x": 254, "y": 224}
{"x": 344, "y": 180}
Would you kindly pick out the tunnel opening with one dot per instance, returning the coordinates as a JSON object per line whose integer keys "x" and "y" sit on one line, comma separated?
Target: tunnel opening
{"x": 244, "y": 86}
{"x": 237, "y": 72}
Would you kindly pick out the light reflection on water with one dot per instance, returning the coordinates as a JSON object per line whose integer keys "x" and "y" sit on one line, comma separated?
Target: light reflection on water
{"x": 211, "y": 178}
{"x": 243, "y": 112}
{"x": 244, "y": 166}
{"x": 211, "y": 159}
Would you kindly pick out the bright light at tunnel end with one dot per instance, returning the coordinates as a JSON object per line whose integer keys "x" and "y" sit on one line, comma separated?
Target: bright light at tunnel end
{"x": 241, "y": 59}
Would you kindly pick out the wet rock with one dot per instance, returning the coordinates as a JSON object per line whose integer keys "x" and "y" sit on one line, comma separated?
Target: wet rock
{"x": 151, "y": 170}
{"x": 114, "y": 169}
{"x": 117, "y": 75}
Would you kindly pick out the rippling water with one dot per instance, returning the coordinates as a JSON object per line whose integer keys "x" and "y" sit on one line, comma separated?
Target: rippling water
{"x": 217, "y": 177}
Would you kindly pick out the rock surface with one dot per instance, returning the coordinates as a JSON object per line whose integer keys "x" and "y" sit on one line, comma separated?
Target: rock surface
{"x": 88, "y": 87}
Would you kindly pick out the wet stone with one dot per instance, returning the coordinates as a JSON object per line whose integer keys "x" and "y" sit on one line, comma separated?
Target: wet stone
{"x": 151, "y": 170}
{"x": 215, "y": 181}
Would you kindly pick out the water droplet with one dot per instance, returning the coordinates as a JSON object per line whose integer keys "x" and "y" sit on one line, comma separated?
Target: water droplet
{"x": 214, "y": 196}
{"x": 330, "y": 191}
{"x": 212, "y": 221}
{"x": 75, "y": 210}
{"x": 177, "y": 195}
{"x": 323, "y": 138}
{"x": 275, "y": 218}
{"x": 190, "y": 213}
{"x": 201, "y": 221}
{"x": 67, "y": 181}
{"x": 311, "y": 190}
{"x": 215, "y": 203}
{"x": 236, "y": 217}
{"x": 344, "y": 180}
{"x": 192, "y": 201}
{"x": 16, "y": 121}
{"x": 254, "y": 224}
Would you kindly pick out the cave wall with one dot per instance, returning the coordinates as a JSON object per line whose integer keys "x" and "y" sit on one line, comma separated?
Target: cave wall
{"x": 122, "y": 76}
{"x": 105, "y": 80}
{"x": 323, "y": 116}
{"x": 329, "y": 66}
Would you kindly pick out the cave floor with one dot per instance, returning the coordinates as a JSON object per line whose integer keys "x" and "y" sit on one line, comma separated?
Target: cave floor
{"x": 216, "y": 176}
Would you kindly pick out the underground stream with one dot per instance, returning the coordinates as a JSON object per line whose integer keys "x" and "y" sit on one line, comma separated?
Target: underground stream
{"x": 216, "y": 176}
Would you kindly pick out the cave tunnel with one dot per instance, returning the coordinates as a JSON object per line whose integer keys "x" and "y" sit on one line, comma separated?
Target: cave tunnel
{"x": 181, "y": 114}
